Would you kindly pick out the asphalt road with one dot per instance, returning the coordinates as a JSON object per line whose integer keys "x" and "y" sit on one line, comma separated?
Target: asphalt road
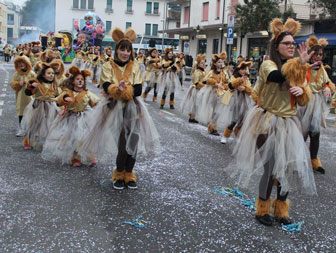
{"x": 47, "y": 207}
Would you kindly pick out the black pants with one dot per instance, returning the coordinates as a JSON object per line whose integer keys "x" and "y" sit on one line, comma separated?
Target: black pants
{"x": 124, "y": 160}
{"x": 266, "y": 181}
{"x": 232, "y": 125}
{"x": 7, "y": 57}
{"x": 148, "y": 89}
{"x": 20, "y": 119}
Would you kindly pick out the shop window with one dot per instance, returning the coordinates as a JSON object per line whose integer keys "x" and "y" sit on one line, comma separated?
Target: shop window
{"x": 202, "y": 46}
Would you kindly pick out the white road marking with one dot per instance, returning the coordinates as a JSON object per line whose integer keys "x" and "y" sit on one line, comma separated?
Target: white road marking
{"x": 2, "y": 102}
{"x": 3, "y": 95}
{"x": 4, "y": 89}
{"x": 5, "y": 85}
{"x": 0, "y": 112}
{"x": 169, "y": 113}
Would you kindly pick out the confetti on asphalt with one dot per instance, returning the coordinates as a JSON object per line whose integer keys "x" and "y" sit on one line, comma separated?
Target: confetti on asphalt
{"x": 235, "y": 193}
{"x": 138, "y": 222}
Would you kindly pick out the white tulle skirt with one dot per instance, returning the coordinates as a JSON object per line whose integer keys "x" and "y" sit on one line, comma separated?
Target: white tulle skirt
{"x": 151, "y": 78}
{"x": 78, "y": 63}
{"x": 235, "y": 111}
{"x": 65, "y": 136}
{"x": 207, "y": 102}
{"x": 37, "y": 120}
{"x": 109, "y": 118}
{"x": 284, "y": 145}
{"x": 314, "y": 114}
{"x": 88, "y": 65}
{"x": 189, "y": 101}
{"x": 169, "y": 81}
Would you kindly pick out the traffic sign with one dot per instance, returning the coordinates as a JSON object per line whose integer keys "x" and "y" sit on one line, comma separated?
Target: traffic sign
{"x": 229, "y": 35}
{"x": 231, "y": 20}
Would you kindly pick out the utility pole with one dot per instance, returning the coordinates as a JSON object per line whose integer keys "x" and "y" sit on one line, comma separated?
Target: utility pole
{"x": 222, "y": 28}
{"x": 164, "y": 22}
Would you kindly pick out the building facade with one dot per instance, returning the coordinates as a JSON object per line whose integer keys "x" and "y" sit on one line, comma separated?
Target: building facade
{"x": 13, "y": 22}
{"x": 3, "y": 22}
{"x": 145, "y": 17}
{"x": 204, "y": 24}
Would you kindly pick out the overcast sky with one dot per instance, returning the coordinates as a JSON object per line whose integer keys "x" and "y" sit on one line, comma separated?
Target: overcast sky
{"x": 19, "y": 2}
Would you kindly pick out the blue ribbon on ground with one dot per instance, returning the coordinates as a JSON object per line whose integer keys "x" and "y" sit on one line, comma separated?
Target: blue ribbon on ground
{"x": 294, "y": 227}
{"x": 235, "y": 193}
{"x": 138, "y": 222}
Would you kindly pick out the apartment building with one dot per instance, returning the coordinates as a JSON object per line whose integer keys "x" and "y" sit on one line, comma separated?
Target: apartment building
{"x": 13, "y": 22}
{"x": 3, "y": 22}
{"x": 145, "y": 17}
{"x": 203, "y": 26}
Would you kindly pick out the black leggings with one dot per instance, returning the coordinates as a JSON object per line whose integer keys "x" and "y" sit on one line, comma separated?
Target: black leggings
{"x": 20, "y": 119}
{"x": 314, "y": 144}
{"x": 148, "y": 89}
{"x": 266, "y": 181}
{"x": 124, "y": 160}
{"x": 164, "y": 95}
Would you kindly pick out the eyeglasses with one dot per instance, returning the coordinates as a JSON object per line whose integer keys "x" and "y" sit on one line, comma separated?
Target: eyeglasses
{"x": 288, "y": 44}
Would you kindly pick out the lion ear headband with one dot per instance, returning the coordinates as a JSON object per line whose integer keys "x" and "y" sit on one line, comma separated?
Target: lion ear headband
{"x": 312, "y": 42}
{"x": 118, "y": 35}
{"x": 222, "y": 56}
{"x": 200, "y": 57}
{"x": 277, "y": 27}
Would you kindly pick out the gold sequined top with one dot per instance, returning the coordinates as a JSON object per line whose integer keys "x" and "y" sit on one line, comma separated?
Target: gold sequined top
{"x": 198, "y": 77}
{"x": 221, "y": 78}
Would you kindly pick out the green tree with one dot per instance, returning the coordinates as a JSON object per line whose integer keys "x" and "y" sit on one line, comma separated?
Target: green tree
{"x": 328, "y": 6}
{"x": 39, "y": 13}
{"x": 255, "y": 15}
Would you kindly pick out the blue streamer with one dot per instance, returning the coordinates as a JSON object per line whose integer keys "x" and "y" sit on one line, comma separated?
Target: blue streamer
{"x": 294, "y": 227}
{"x": 138, "y": 222}
{"x": 235, "y": 193}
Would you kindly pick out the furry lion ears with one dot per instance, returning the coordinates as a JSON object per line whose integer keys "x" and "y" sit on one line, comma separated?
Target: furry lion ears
{"x": 277, "y": 27}
{"x": 222, "y": 56}
{"x": 74, "y": 71}
{"x": 312, "y": 41}
{"x": 118, "y": 35}
{"x": 200, "y": 57}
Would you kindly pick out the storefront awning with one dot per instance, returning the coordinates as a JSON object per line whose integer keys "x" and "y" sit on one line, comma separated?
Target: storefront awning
{"x": 331, "y": 37}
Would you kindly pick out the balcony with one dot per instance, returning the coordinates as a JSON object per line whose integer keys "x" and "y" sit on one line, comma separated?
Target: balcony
{"x": 109, "y": 9}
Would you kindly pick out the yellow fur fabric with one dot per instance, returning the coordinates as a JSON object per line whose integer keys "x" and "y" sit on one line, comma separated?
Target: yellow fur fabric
{"x": 116, "y": 93}
{"x": 212, "y": 128}
{"x": 305, "y": 97}
{"x": 129, "y": 177}
{"x": 16, "y": 85}
{"x": 199, "y": 85}
{"x": 162, "y": 102}
{"x": 295, "y": 72}
{"x": 118, "y": 175}
{"x": 331, "y": 86}
{"x": 211, "y": 81}
{"x": 227, "y": 133}
{"x": 237, "y": 82}
{"x": 316, "y": 163}
{"x": 281, "y": 208}
{"x": 263, "y": 207}
{"x": 248, "y": 90}
{"x": 255, "y": 97}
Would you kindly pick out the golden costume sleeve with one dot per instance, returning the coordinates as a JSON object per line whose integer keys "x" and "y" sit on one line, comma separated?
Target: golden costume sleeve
{"x": 105, "y": 75}
{"x": 15, "y": 83}
{"x": 93, "y": 99}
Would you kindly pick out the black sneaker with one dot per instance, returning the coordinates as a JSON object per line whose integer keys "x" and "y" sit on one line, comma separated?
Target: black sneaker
{"x": 285, "y": 221}
{"x": 132, "y": 185}
{"x": 265, "y": 219}
{"x": 119, "y": 184}
{"x": 215, "y": 133}
{"x": 321, "y": 170}
{"x": 193, "y": 121}
{"x": 172, "y": 107}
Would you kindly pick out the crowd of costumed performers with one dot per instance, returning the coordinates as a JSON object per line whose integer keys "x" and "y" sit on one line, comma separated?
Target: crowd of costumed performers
{"x": 271, "y": 120}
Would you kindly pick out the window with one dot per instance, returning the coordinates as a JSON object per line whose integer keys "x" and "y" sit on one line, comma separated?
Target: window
{"x": 202, "y": 45}
{"x": 9, "y": 32}
{"x": 186, "y": 15}
{"x": 218, "y": 9}
{"x": 155, "y": 29}
{"x": 129, "y": 5}
{"x": 148, "y": 29}
{"x": 156, "y": 8}
{"x": 128, "y": 24}
{"x": 149, "y": 7}
{"x": 90, "y": 5}
{"x": 75, "y": 4}
{"x": 83, "y": 4}
{"x": 10, "y": 19}
{"x": 109, "y": 4}
{"x": 108, "y": 26}
{"x": 215, "y": 46}
{"x": 178, "y": 24}
{"x": 205, "y": 11}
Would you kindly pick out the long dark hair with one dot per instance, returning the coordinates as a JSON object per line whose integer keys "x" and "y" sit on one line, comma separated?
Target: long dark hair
{"x": 236, "y": 73}
{"x": 124, "y": 44}
{"x": 166, "y": 56}
{"x": 40, "y": 76}
{"x": 213, "y": 67}
{"x": 274, "y": 53}
{"x": 316, "y": 49}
